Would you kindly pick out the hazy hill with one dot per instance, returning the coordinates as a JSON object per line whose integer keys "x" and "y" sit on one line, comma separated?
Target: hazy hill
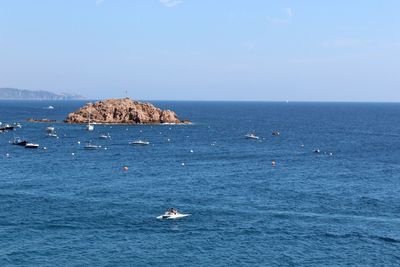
{"x": 15, "y": 94}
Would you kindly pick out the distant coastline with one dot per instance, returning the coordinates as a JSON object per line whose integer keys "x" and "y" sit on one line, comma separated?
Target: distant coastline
{"x": 23, "y": 94}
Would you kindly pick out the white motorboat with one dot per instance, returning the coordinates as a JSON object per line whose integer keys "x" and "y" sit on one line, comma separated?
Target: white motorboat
{"x": 140, "y": 142}
{"x": 52, "y": 134}
{"x": 105, "y": 136}
{"x": 31, "y": 145}
{"x": 50, "y": 107}
{"x": 172, "y": 214}
{"x": 50, "y": 129}
{"x": 90, "y": 127}
{"x": 252, "y": 136}
{"x": 90, "y": 146}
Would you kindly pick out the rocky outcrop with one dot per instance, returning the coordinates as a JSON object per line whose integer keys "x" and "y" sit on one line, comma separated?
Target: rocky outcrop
{"x": 123, "y": 111}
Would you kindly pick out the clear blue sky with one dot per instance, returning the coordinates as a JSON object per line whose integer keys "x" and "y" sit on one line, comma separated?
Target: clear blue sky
{"x": 309, "y": 50}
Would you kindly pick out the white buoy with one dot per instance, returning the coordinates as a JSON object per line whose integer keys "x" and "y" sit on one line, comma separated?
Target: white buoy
{"x": 79, "y": 142}
{"x": 73, "y": 154}
{"x": 105, "y": 148}
{"x": 183, "y": 164}
{"x": 45, "y": 148}
{"x": 169, "y": 140}
{"x": 191, "y": 150}
{"x": 7, "y": 155}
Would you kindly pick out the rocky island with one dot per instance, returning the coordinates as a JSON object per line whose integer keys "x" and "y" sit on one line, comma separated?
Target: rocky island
{"x": 123, "y": 111}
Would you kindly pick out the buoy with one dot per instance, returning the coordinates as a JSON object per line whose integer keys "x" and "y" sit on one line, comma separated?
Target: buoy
{"x": 273, "y": 163}
{"x": 7, "y": 155}
{"x": 191, "y": 151}
{"x": 73, "y": 154}
{"x": 169, "y": 140}
{"x": 183, "y": 164}
{"x": 45, "y": 148}
{"x": 105, "y": 148}
{"x": 126, "y": 168}
{"x": 79, "y": 142}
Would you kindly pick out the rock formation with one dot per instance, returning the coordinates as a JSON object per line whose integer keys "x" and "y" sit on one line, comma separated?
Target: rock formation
{"x": 123, "y": 111}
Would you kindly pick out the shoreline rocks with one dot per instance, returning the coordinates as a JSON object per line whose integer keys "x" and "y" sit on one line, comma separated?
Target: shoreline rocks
{"x": 123, "y": 111}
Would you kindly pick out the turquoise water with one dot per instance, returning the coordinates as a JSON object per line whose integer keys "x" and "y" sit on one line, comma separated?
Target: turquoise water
{"x": 59, "y": 209}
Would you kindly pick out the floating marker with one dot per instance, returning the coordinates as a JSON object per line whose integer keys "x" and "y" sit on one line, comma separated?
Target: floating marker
{"x": 126, "y": 168}
{"x": 191, "y": 151}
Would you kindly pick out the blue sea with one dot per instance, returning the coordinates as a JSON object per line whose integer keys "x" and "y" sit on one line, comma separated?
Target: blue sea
{"x": 67, "y": 206}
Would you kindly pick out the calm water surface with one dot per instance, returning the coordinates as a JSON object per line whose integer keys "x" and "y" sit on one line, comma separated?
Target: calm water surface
{"x": 59, "y": 209}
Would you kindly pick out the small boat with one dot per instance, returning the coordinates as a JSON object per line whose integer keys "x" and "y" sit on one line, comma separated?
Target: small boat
{"x": 50, "y": 129}
{"x": 172, "y": 214}
{"x": 50, "y": 107}
{"x": 252, "y": 136}
{"x": 31, "y": 145}
{"x": 140, "y": 142}
{"x": 105, "y": 136}
{"x": 52, "y": 134}
{"x": 90, "y": 146}
{"x": 19, "y": 142}
{"x": 317, "y": 151}
{"x": 7, "y": 127}
{"x": 276, "y": 133}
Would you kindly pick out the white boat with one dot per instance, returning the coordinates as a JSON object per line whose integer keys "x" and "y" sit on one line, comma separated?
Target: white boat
{"x": 31, "y": 145}
{"x": 105, "y": 136}
{"x": 91, "y": 146}
{"x": 252, "y": 136}
{"x": 172, "y": 214}
{"x": 53, "y": 134}
{"x": 89, "y": 127}
{"x": 140, "y": 142}
{"x": 50, "y": 107}
{"x": 50, "y": 129}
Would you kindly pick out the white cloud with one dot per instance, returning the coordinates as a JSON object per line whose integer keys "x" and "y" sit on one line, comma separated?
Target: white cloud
{"x": 98, "y": 2}
{"x": 171, "y": 3}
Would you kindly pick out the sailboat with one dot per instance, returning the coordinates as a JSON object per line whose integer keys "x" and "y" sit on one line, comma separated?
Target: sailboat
{"x": 89, "y": 127}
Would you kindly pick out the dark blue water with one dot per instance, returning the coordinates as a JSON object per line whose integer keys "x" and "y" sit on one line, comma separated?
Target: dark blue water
{"x": 343, "y": 209}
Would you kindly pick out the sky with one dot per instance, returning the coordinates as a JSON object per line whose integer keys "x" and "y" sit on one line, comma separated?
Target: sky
{"x": 298, "y": 50}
